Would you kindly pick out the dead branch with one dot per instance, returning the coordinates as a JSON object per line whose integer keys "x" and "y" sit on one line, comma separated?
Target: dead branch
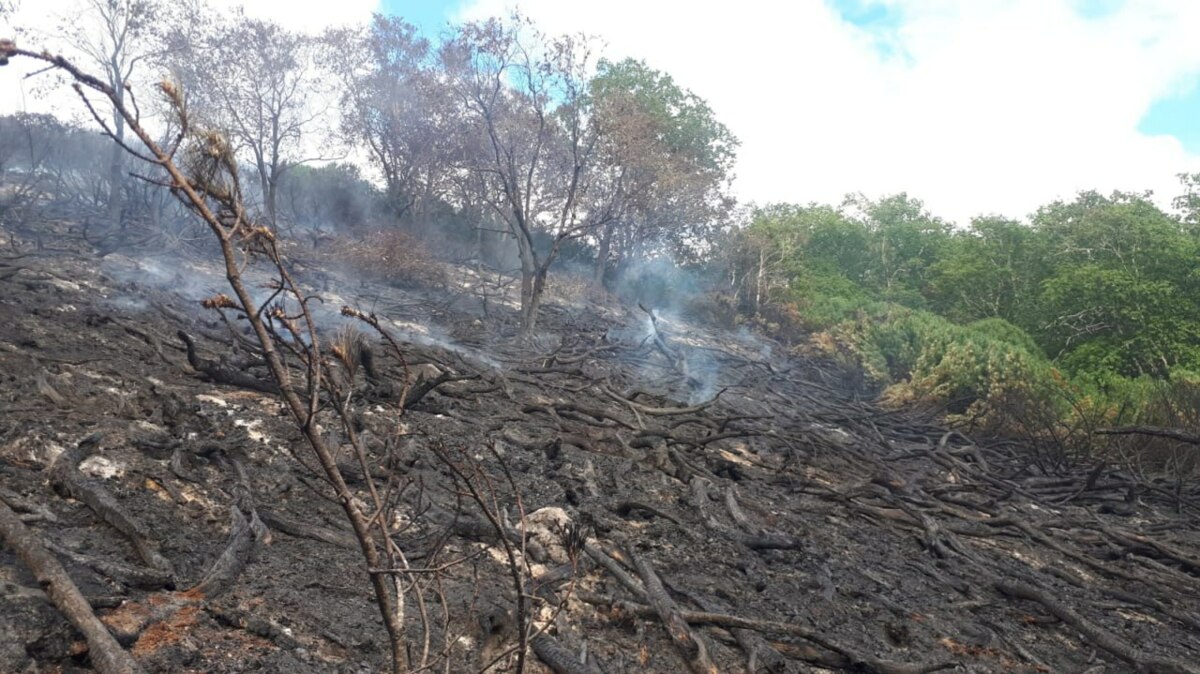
{"x": 21, "y": 504}
{"x": 244, "y": 534}
{"x": 558, "y": 658}
{"x": 303, "y": 530}
{"x": 223, "y": 374}
{"x": 147, "y": 579}
{"x": 267, "y": 629}
{"x": 65, "y": 476}
{"x": 690, "y": 645}
{"x": 1097, "y": 635}
{"x": 852, "y": 659}
{"x": 1156, "y": 431}
{"x": 105, "y": 653}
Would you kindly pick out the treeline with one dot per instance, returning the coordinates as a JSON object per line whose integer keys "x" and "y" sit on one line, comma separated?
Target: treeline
{"x": 1090, "y": 309}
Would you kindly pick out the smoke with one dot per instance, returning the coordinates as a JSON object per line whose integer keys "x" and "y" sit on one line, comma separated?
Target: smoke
{"x": 187, "y": 279}
{"x": 429, "y": 334}
{"x": 657, "y": 283}
{"x": 704, "y": 375}
{"x": 755, "y": 344}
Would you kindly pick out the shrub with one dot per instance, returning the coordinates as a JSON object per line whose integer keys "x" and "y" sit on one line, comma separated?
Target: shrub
{"x": 980, "y": 373}
{"x": 717, "y": 309}
{"x": 391, "y": 256}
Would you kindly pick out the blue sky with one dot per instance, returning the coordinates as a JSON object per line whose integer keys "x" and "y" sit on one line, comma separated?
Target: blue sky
{"x": 1098, "y": 9}
{"x": 868, "y": 13}
{"x": 880, "y": 21}
{"x": 1177, "y": 116}
{"x": 428, "y": 15}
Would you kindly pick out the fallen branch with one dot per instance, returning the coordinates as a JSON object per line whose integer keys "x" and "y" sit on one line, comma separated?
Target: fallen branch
{"x": 106, "y": 654}
{"x": 693, "y": 649}
{"x": 1097, "y": 635}
{"x": 21, "y": 504}
{"x": 244, "y": 534}
{"x": 66, "y": 478}
{"x": 558, "y": 658}
{"x": 302, "y": 530}
{"x": 263, "y": 627}
{"x": 1157, "y": 431}
{"x": 222, "y": 374}
{"x": 851, "y": 659}
{"x": 146, "y": 579}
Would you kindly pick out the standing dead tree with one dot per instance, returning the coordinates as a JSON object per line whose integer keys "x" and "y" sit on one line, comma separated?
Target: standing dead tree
{"x": 537, "y": 163}
{"x": 118, "y": 41}
{"x": 258, "y": 82}
{"x": 393, "y": 105}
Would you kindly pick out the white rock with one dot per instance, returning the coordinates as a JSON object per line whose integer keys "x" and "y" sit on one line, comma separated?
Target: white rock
{"x": 102, "y": 467}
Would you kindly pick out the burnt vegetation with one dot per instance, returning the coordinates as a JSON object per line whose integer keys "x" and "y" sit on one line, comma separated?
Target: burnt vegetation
{"x": 512, "y": 393}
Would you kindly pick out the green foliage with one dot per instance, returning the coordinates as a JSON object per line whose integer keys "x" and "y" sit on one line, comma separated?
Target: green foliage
{"x": 993, "y": 269}
{"x": 1088, "y": 316}
{"x": 1121, "y": 294}
{"x": 903, "y": 244}
{"x": 684, "y": 122}
{"x": 1100, "y": 284}
{"x": 923, "y": 357}
{"x": 1188, "y": 203}
{"x": 1003, "y": 331}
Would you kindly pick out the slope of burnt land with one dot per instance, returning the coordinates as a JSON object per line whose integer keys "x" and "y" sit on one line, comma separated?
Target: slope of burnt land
{"x": 752, "y": 500}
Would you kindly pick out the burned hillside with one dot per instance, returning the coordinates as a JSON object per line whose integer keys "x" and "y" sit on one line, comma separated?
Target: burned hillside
{"x": 624, "y": 490}
{"x": 254, "y": 416}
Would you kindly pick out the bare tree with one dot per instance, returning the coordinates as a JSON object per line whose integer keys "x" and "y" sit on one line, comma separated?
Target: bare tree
{"x": 116, "y": 36}
{"x": 25, "y": 144}
{"x": 259, "y": 82}
{"x": 394, "y": 105}
{"x": 526, "y": 96}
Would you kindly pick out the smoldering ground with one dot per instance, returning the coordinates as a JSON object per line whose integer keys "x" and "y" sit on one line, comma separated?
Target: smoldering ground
{"x": 784, "y": 491}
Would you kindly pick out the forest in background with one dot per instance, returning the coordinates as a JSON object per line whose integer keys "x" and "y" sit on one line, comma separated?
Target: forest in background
{"x": 498, "y": 144}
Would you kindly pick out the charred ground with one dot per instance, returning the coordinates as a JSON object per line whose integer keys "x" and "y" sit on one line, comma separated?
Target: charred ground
{"x": 794, "y": 524}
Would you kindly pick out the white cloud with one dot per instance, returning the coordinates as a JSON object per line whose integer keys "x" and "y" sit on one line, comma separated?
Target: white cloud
{"x": 992, "y": 106}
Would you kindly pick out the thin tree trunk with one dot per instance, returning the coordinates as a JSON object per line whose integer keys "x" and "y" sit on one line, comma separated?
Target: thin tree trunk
{"x": 117, "y": 158}
{"x": 758, "y": 281}
{"x": 115, "y": 195}
{"x": 601, "y": 270}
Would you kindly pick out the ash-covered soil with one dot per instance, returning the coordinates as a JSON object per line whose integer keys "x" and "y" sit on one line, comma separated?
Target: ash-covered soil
{"x": 795, "y": 525}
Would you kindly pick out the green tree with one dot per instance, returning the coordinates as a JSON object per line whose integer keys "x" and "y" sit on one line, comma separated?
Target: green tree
{"x": 1122, "y": 296}
{"x": 904, "y": 243}
{"x": 797, "y": 252}
{"x": 993, "y": 269}
{"x": 666, "y": 164}
{"x": 1188, "y": 203}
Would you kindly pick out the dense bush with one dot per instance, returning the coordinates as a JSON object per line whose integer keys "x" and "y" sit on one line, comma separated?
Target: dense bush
{"x": 921, "y": 358}
{"x": 1084, "y": 317}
